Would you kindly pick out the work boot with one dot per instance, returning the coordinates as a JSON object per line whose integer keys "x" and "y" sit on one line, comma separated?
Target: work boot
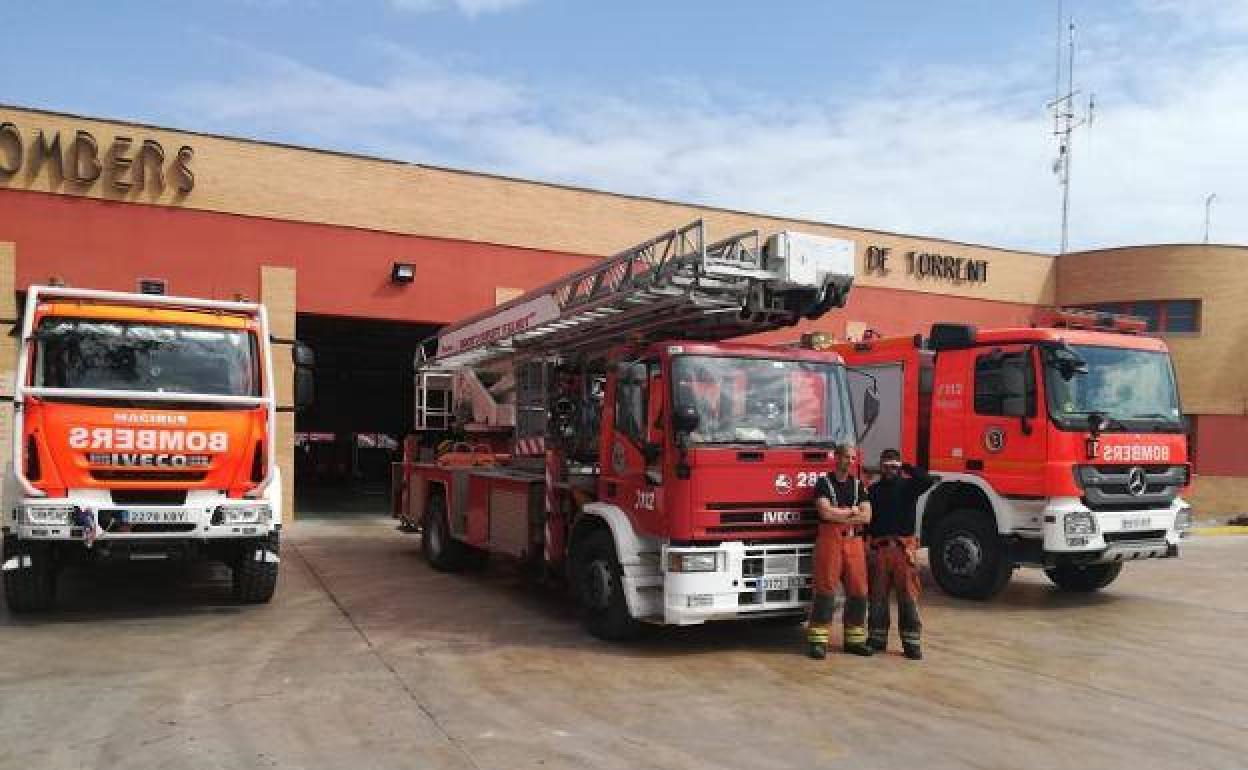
{"x": 912, "y": 651}
{"x": 877, "y": 644}
{"x": 818, "y": 650}
{"x": 858, "y": 648}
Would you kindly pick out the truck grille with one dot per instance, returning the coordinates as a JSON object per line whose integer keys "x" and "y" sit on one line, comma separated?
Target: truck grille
{"x": 1148, "y": 536}
{"x": 1131, "y": 487}
{"x": 114, "y": 475}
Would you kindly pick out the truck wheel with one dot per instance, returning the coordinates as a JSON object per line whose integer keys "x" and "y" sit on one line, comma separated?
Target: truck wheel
{"x": 600, "y": 591}
{"x": 443, "y": 552}
{"x": 968, "y": 556}
{"x": 1084, "y": 578}
{"x": 33, "y": 588}
{"x": 255, "y": 581}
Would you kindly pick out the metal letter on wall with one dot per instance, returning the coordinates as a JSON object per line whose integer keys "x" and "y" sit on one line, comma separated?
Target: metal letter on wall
{"x": 84, "y": 158}
{"x": 184, "y": 178}
{"x": 48, "y": 150}
{"x": 10, "y": 149}
{"x": 151, "y": 151}
{"x": 119, "y": 163}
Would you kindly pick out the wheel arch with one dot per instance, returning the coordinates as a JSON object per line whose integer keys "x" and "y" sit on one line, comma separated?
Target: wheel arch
{"x": 956, "y": 492}
{"x": 629, "y": 545}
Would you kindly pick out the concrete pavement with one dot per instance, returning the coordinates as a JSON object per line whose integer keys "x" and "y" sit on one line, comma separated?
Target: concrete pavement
{"x": 368, "y": 659}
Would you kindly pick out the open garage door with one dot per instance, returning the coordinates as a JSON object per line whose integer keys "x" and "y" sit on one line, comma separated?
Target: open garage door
{"x": 345, "y": 442}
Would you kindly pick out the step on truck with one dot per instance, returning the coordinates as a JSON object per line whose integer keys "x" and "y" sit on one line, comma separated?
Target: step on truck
{"x": 1061, "y": 447}
{"x": 143, "y": 429}
{"x": 600, "y": 431}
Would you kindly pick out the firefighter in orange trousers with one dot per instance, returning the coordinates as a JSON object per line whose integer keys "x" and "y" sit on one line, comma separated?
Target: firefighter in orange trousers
{"x": 891, "y": 548}
{"x": 840, "y": 557}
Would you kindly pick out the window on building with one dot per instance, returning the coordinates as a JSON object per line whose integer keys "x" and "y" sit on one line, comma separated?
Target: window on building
{"x": 1166, "y": 316}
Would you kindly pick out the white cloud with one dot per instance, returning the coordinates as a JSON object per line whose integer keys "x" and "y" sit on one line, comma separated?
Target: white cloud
{"x": 957, "y": 154}
{"x": 470, "y": 8}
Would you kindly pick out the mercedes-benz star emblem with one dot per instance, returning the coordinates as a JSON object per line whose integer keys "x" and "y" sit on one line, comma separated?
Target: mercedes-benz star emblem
{"x": 1137, "y": 482}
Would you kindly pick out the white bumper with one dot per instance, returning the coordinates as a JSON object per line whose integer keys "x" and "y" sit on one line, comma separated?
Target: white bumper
{"x": 749, "y": 581}
{"x": 1113, "y": 535}
{"x": 90, "y": 516}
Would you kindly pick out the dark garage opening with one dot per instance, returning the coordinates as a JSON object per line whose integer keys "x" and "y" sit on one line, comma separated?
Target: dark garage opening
{"x": 345, "y": 442}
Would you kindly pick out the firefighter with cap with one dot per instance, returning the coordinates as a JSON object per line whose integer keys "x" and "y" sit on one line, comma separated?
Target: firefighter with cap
{"x": 840, "y": 557}
{"x": 891, "y": 547}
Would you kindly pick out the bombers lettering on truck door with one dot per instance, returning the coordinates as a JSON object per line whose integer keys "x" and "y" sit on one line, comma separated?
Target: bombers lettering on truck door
{"x": 139, "y": 439}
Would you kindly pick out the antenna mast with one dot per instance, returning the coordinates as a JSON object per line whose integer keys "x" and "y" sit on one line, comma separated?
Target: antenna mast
{"x": 1065, "y": 120}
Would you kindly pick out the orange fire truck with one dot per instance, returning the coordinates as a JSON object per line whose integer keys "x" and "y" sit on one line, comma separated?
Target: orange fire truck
{"x": 602, "y": 431}
{"x": 143, "y": 428}
{"x": 1062, "y": 447}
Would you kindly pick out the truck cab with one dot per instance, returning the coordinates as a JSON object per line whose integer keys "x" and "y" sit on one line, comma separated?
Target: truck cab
{"x": 143, "y": 430}
{"x": 712, "y": 452}
{"x": 1061, "y": 448}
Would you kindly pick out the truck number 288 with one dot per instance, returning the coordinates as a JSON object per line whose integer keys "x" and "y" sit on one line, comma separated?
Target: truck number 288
{"x": 807, "y": 479}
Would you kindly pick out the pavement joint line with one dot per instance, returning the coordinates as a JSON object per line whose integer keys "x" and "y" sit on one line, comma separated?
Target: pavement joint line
{"x": 424, "y": 708}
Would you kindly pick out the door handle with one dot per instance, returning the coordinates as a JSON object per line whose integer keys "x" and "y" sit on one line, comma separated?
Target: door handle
{"x": 974, "y": 465}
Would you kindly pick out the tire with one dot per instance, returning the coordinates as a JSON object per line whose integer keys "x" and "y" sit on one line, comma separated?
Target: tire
{"x": 254, "y": 582}
{"x": 443, "y": 552}
{"x": 596, "y": 578}
{"x": 968, "y": 556}
{"x": 31, "y": 589}
{"x": 1084, "y": 579}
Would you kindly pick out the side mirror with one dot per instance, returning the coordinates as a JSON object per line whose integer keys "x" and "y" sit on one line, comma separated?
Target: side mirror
{"x": 303, "y": 355}
{"x": 305, "y": 387}
{"x": 685, "y": 419}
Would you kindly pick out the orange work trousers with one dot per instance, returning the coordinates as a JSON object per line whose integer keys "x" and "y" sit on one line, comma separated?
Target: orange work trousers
{"x": 894, "y": 571}
{"x": 840, "y": 561}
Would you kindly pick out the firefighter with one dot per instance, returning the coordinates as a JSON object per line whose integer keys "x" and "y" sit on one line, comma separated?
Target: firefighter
{"x": 892, "y": 546}
{"x": 840, "y": 557}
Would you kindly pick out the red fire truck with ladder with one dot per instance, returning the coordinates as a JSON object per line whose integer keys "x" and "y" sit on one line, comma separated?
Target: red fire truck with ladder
{"x": 607, "y": 434}
{"x": 1060, "y": 447}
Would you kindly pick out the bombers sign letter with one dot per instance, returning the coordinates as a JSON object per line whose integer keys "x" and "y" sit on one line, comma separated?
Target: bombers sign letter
{"x": 138, "y": 439}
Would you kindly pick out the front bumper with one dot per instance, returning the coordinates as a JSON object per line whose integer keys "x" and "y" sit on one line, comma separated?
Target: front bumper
{"x": 1114, "y": 536}
{"x": 751, "y": 581}
{"x": 93, "y": 518}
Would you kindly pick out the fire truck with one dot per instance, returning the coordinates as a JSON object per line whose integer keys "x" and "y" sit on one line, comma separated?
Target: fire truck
{"x": 604, "y": 434}
{"x": 143, "y": 429}
{"x": 1061, "y": 447}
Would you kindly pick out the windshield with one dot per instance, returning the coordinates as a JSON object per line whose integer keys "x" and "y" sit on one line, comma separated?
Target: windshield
{"x": 1129, "y": 387}
{"x": 109, "y": 355}
{"x": 762, "y": 401}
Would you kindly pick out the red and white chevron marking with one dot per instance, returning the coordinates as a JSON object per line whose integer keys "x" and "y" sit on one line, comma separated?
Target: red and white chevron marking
{"x": 530, "y": 447}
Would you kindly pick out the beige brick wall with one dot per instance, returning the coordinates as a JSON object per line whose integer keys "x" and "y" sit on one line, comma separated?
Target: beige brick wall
{"x": 1219, "y": 495}
{"x": 1212, "y": 365}
{"x": 277, "y": 292}
{"x": 268, "y": 180}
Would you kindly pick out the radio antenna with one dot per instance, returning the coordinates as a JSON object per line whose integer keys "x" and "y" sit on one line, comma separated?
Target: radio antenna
{"x": 1066, "y": 120}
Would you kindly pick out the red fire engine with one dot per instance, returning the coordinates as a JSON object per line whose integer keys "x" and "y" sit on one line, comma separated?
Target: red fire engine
{"x": 603, "y": 432}
{"x": 1060, "y": 447}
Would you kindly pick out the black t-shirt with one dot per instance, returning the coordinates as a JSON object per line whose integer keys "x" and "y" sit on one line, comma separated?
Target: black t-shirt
{"x": 842, "y": 494}
{"x": 893, "y": 503}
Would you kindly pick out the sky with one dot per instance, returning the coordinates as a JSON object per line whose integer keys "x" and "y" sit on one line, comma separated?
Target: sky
{"x": 899, "y": 115}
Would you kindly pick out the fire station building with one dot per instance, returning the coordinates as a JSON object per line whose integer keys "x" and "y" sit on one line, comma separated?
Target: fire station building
{"x": 364, "y": 257}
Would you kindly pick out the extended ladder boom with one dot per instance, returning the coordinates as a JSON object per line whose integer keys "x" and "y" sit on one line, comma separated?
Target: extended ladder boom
{"x": 672, "y": 286}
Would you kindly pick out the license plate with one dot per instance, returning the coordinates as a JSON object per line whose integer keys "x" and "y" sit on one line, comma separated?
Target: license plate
{"x": 783, "y": 583}
{"x": 155, "y": 517}
{"x": 1137, "y": 522}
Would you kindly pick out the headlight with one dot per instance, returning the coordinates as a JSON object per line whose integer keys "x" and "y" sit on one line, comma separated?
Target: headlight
{"x": 1080, "y": 523}
{"x": 707, "y": 561}
{"x": 244, "y": 514}
{"x": 1183, "y": 520}
{"x": 49, "y": 514}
